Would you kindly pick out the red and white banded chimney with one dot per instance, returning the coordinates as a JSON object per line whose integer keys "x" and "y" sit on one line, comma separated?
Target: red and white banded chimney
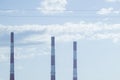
{"x": 52, "y": 58}
{"x": 74, "y": 60}
{"x": 12, "y": 57}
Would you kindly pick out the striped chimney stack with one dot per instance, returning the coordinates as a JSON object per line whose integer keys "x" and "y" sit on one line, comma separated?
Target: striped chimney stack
{"x": 74, "y": 60}
{"x": 52, "y": 58}
{"x": 12, "y": 57}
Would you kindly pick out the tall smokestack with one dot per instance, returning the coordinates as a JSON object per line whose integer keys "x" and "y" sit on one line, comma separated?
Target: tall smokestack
{"x": 74, "y": 60}
{"x": 12, "y": 57}
{"x": 52, "y": 58}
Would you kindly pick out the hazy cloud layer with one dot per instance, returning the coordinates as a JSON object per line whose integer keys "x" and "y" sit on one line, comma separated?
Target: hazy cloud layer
{"x": 40, "y": 36}
{"x": 68, "y": 31}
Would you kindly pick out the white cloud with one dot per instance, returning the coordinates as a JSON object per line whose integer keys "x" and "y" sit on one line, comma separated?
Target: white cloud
{"x": 52, "y": 6}
{"x": 113, "y": 0}
{"x": 8, "y": 11}
{"x": 20, "y": 29}
{"x": 114, "y": 36}
{"x": 107, "y": 11}
{"x": 40, "y": 35}
{"x": 67, "y": 31}
{"x": 31, "y": 51}
{"x": 24, "y": 52}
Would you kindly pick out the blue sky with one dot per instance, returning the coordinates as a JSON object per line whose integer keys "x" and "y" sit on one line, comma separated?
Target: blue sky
{"x": 94, "y": 24}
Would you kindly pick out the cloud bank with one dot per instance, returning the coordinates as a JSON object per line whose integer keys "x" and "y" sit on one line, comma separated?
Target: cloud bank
{"x": 68, "y": 31}
{"x": 40, "y": 36}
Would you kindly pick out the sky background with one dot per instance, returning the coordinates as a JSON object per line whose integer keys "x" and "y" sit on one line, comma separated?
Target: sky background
{"x": 94, "y": 24}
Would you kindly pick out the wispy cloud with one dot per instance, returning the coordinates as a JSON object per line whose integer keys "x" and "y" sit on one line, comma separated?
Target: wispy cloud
{"x": 24, "y": 52}
{"x": 108, "y": 11}
{"x": 63, "y": 32}
{"x": 113, "y": 0}
{"x": 8, "y": 11}
{"x": 31, "y": 51}
{"x": 52, "y": 6}
{"x": 68, "y": 30}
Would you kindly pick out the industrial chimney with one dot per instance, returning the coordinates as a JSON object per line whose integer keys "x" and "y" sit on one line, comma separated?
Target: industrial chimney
{"x": 52, "y": 58}
{"x": 12, "y": 57}
{"x": 74, "y": 60}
